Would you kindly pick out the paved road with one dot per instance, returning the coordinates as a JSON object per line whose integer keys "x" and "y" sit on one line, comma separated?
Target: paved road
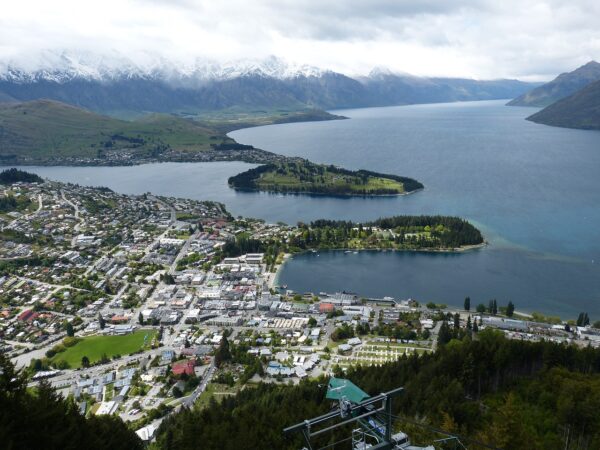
{"x": 183, "y": 251}
{"x": 77, "y": 227}
{"x": 191, "y": 399}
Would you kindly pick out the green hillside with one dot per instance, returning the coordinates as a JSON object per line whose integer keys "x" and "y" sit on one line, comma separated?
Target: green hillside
{"x": 44, "y": 130}
{"x": 580, "y": 110}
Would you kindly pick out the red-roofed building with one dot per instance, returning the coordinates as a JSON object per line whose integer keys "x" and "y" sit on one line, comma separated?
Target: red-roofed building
{"x": 28, "y": 315}
{"x": 325, "y": 308}
{"x": 181, "y": 367}
{"x": 119, "y": 319}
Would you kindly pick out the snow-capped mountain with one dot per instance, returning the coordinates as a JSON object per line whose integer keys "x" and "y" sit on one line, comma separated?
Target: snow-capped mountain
{"x": 66, "y": 66}
{"x": 114, "y": 82}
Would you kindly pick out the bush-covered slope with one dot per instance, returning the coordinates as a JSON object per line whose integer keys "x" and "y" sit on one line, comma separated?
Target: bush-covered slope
{"x": 580, "y": 110}
{"x": 41, "y": 419}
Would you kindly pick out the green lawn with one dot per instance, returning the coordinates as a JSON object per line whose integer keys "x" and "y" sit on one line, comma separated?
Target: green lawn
{"x": 217, "y": 391}
{"x": 349, "y": 183}
{"x": 95, "y": 346}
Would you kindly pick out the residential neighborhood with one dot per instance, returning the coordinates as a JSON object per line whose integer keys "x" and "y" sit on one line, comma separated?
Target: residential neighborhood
{"x": 141, "y": 305}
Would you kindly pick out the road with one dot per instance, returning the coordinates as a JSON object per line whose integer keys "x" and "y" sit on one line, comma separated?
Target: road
{"x": 183, "y": 251}
{"x": 191, "y": 399}
{"x": 77, "y": 227}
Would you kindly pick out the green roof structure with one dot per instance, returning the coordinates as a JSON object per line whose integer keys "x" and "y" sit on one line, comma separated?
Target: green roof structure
{"x": 340, "y": 388}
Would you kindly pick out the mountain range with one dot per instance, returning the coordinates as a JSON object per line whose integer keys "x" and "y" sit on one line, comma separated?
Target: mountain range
{"x": 116, "y": 84}
{"x": 561, "y": 87}
{"x": 579, "y": 110}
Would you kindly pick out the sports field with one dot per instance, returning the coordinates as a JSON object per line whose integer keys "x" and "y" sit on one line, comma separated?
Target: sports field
{"x": 95, "y": 346}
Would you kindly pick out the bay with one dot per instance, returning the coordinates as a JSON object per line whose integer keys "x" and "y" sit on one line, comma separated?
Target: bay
{"x": 533, "y": 190}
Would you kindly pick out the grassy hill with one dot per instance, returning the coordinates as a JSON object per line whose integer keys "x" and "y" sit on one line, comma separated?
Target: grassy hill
{"x": 562, "y": 86}
{"x": 45, "y": 130}
{"x": 301, "y": 177}
{"x": 580, "y": 110}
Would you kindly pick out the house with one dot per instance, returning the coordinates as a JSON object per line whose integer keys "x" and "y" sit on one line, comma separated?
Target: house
{"x": 28, "y": 315}
{"x": 344, "y": 348}
{"x": 107, "y": 408}
{"x": 354, "y": 341}
{"x": 146, "y": 433}
{"x": 123, "y": 329}
{"x": 181, "y": 367}
{"x": 119, "y": 319}
{"x": 326, "y": 307}
{"x": 167, "y": 356}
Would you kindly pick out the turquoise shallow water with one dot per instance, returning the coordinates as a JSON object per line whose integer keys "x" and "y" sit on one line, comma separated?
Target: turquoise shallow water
{"x": 533, "y": 190}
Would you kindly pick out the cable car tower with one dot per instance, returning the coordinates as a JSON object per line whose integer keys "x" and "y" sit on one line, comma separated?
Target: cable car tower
{"x": 372, "y": 415}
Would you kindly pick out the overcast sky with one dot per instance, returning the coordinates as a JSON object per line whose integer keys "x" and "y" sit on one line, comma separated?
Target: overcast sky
{"x": 527, "y": 39}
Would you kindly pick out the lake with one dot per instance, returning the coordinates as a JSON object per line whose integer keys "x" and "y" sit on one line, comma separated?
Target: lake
{"x": 533, "y": 190}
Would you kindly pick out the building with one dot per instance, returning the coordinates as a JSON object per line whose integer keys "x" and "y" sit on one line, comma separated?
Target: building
{"x": 107, "y": 408}
{"x": 181, "y": 367}
{"x": 326, "y": 307}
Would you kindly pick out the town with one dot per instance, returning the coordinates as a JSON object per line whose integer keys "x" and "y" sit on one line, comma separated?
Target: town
{"x": 141, "y": 305}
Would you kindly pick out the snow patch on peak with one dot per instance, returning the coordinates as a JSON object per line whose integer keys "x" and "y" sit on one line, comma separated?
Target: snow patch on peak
{"x": 379, "y": 72}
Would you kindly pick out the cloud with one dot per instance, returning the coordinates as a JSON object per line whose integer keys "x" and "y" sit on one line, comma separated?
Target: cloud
{"x": 531, "y": 39}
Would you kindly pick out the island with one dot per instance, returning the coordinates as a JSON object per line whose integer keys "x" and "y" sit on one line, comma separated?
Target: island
{"x": 304, "y": 177}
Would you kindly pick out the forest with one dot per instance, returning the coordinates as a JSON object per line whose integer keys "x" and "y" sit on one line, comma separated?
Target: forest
{"x": 399, "y": 232}
{"x": 40, "y": 418}
{"x": 487, "y": 389}
{"x": 11, "y": 176}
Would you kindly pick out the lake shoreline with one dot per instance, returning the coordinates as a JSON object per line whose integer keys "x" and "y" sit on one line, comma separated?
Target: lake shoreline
{"x": 324, "y": 194}
{"x": 274, "y": 280}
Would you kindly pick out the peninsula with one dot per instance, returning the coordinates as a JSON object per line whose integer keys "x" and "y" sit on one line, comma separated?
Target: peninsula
{"x": 305, "y": 177}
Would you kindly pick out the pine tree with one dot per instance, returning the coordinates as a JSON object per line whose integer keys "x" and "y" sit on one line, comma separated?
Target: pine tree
{"x": 222, "y": 354}
{"x": 475, "y": 326}
{"x": 510, "y": 309}
{"x": 467, "y": 303}
{"x": 456, "y": 321}
{"x": 469, "y": 326}
{"x": 101, "y": 321}
{"x": 70, "y": 330}
{"x": 495, "y": 307}
{"x": 141, "y": 318}
{"x": 444, "y": 334}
